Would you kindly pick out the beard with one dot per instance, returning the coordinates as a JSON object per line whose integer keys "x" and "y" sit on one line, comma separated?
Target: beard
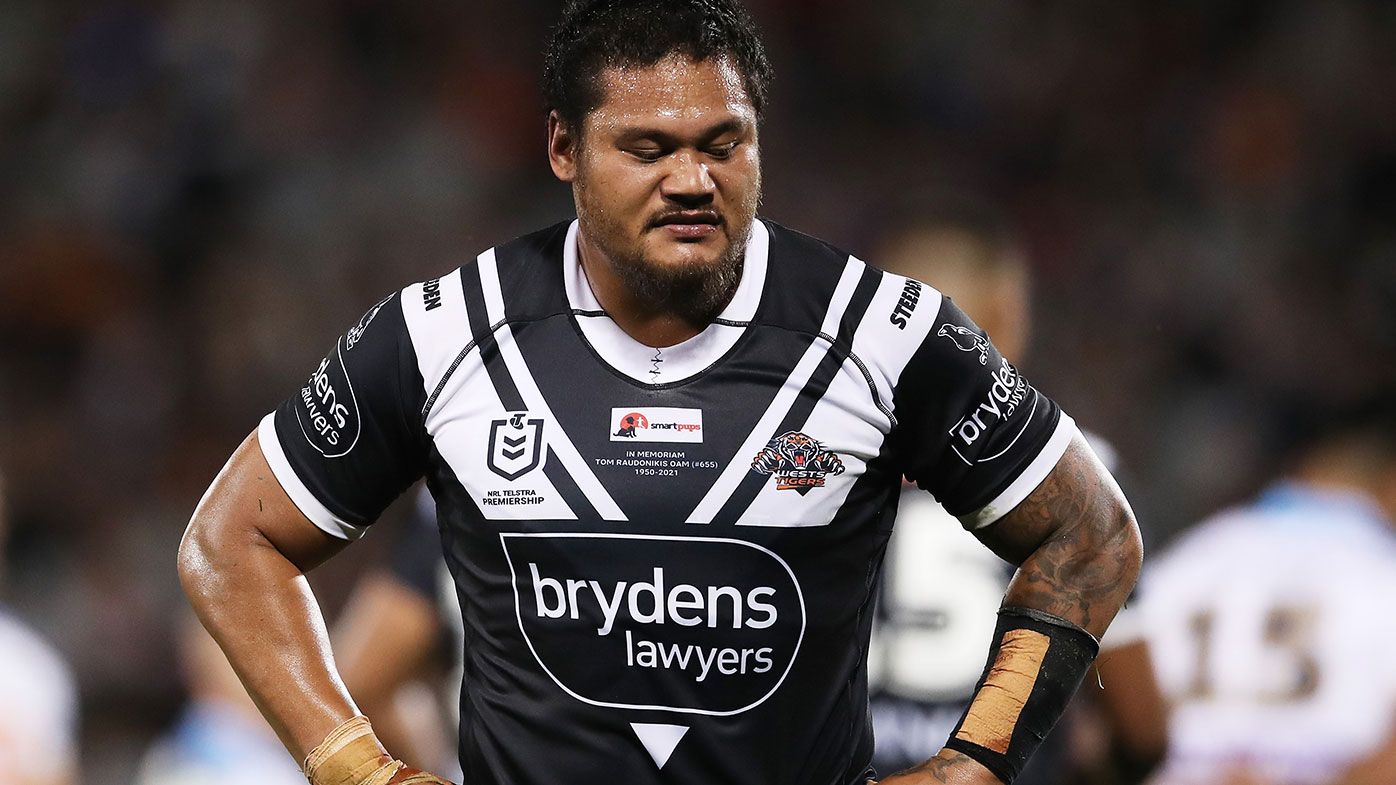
{"x": 697, "y": 293}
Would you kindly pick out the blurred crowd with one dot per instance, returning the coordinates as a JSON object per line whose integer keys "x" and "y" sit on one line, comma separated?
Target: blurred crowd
{"x": 197, "y": 196}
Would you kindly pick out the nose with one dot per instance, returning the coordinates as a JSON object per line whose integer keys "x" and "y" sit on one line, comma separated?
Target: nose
{"x": 688, "y": 180}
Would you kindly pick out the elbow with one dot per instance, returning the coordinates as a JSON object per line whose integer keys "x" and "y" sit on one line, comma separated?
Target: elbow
{"x": 1128, "y": 545}
{"x": 192, "y": 563}
{"x": 202, "y": 561}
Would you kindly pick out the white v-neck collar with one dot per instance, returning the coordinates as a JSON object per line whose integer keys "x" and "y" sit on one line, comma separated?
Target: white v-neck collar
{"x": 672, "y": 363}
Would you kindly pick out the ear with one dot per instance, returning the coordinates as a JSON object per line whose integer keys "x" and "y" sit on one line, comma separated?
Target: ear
{"x": 563, "y": 148}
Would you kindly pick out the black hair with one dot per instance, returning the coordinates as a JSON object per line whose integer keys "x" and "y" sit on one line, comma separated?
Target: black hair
{"x": 597, "y": 34}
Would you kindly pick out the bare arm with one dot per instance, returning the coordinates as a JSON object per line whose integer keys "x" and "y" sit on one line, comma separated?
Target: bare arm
{"x": 1078, "y": 552}
{"x": 1075, "y": 542}
{"x": 242, "y": 564}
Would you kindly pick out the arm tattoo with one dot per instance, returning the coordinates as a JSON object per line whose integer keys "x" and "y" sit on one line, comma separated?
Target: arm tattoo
{"x": 1075, "y": 541}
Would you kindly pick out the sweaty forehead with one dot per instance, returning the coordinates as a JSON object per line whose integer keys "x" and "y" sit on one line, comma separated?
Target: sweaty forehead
{"x": 677, "y": 89}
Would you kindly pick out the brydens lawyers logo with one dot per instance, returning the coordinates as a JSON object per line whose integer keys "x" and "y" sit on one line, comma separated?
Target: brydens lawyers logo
{"x": 657, "y": 424}
{"x": 697, "y": 625}
{"x": 516, "y": 445}
{"x": 799, "y": 462}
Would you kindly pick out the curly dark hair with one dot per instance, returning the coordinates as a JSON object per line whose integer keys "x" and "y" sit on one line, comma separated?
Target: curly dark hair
{"x": 597, "y": 34}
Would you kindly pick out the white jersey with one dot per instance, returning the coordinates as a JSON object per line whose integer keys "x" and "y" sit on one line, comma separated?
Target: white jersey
{"x": 38, "y": 724}
{"x": 1271, "y": 637}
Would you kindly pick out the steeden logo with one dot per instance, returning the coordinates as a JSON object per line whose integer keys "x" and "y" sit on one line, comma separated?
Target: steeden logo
{"x": 657, "y": 424}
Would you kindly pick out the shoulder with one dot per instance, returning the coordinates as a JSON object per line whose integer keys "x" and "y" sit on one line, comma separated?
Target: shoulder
{"x": 522, "y": 279}
{"x": 805, "y": 269}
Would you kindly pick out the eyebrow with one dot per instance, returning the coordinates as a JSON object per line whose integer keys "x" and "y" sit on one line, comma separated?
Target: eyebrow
{"x": 631, "y": 133}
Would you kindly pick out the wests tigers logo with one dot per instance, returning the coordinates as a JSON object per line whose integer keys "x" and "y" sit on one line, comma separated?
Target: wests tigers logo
{"x": 799, "y": 462}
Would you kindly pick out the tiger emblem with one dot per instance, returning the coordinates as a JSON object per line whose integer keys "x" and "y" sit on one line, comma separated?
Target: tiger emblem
{"x": 799, "y": 462}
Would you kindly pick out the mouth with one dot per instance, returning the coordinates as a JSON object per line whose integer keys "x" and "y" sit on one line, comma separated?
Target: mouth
{"x": 689, "y": 224}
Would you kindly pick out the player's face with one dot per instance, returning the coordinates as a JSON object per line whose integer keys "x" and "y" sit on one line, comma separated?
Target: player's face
{"x": 667, "y": 174}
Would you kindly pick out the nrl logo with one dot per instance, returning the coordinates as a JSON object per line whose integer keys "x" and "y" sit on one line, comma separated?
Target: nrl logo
{"x": 967, "y": 340}
{"x": 799, "y": 462}
{"x": 516, "y": 445}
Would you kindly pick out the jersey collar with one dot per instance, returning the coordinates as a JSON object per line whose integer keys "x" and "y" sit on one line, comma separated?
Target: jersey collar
{"x": 682, "y": 361}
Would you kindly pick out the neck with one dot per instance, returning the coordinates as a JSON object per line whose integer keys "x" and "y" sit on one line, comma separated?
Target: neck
{"x": 649, "y": 321}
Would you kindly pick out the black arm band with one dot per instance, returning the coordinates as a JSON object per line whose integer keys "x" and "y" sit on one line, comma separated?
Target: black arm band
{"x": 1035, "y": 665}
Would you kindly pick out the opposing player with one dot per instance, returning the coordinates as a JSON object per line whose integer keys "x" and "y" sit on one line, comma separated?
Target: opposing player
{"x": 690, "y": 604}
{"x": 1269, "y": 623}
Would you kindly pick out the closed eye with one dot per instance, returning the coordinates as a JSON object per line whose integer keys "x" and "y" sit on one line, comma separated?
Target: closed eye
{"x": 647, "y": 154}
{"x": 723, "y": 151}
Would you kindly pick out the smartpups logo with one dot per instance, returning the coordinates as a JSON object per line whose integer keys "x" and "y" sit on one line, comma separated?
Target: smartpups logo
{"x": 657, "y": 424}
{"x": 699, "y": 625}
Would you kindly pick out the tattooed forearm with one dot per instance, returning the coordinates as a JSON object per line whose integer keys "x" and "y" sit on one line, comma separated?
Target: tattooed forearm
{"x": 1075, "y": 541}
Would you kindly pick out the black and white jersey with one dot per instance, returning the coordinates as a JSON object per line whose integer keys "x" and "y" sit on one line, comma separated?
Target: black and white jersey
{"x": 665, "y": 558}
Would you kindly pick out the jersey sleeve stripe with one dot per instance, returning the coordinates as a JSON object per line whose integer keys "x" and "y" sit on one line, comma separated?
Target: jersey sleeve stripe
{"x": 1028, "y": 480}
{"x": 436, "y": 318}
{"x": 903, "y": 313}
{"x": 559, "y": 441}
{"x": 732, "y": 476}
{"x": 309, "y": 506}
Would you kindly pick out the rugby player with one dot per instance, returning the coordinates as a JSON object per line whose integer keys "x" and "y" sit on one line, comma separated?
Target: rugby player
{"x": 666, "y": 441}
{"x": 1268, "y": 623}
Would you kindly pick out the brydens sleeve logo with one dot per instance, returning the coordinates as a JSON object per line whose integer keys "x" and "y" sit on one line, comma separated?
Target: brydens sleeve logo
{"x": 329, "y": 412}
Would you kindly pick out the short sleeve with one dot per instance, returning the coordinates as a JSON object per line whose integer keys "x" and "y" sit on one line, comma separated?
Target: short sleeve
{"x": 970, "y": 429}
{"x": 351, "y": 439}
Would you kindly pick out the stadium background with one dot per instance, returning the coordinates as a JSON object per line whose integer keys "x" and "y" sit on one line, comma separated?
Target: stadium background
{"x": 196, "y": 196}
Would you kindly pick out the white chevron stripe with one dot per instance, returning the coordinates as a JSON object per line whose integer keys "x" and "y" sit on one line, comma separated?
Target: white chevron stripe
{"x": 765, "y": 428}
{"x": 533, "y": 398}
{"x": 438, "y": 335}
